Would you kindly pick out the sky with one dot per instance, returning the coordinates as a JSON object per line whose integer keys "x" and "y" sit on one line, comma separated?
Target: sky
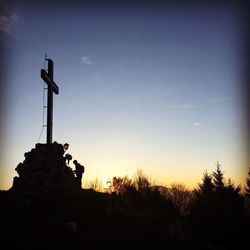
{"x": 156, "y": 87}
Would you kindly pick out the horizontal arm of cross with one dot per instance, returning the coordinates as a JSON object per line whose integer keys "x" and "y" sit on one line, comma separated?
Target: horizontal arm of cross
{"x": 49, "y": 81}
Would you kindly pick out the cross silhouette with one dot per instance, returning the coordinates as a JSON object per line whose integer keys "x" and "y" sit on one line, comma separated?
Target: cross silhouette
{"x": 52, "y": 88}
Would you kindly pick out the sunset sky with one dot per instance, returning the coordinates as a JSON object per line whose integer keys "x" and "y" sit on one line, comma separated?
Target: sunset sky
{"x": 141, "y": 86}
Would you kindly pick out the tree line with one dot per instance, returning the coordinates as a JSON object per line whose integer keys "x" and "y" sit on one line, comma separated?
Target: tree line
{"x": 217, "y": 211}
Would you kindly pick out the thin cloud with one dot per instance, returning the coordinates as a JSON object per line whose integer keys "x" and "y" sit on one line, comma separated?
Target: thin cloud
{"x": 197, "y": 124}
{"x": 223, "y": 99}
{"x": 7, "y": 22}
{"x": 180, "y": 106}
{"x": 87, "y": 60}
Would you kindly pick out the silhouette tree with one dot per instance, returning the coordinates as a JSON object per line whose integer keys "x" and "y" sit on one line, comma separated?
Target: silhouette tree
{"x": 141, "y": 181}
{"x": 95, "y": 184}
{"x": 218, "y": 177}
{"x": 200, "y": 205}
{"x": 138, "y": 193}
{"x": 120, "y": 185}
{"x": 247, "y": 198}
{"x": 230, "y": 186}
{"x": 180, "y": 198}
{"x": 207, "y": 186}
{"x": 217, "y": 210}
{"x": 247, "y": 188}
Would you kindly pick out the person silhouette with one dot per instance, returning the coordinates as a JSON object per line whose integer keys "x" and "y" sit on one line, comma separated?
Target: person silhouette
{"x": 65, "y": 146}
{"x": 68, "y": 158}
{"x": 79, "y": 170}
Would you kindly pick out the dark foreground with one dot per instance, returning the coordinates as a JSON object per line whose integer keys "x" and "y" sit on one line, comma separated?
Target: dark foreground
{"x": 92, "y": 220}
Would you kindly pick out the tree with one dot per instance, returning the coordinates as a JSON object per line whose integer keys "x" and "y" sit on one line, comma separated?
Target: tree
{"x": 217, "y": 209}
{"x": 218, "y": 177}
{"x": 95, "y": 184}
{"x": 138, "y": 192}
{"x": 230, "y": 186}
{"x": 207, "y": 186}
{"x": 179, "y": 195}
{"x": 247, "y": 188}
{"x": 201, "y": 200}
{"x": 120, "y": 185}
{"x": 141, "y": 181}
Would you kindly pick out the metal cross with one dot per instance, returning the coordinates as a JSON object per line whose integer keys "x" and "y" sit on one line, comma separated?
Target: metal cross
{"x": 52, "y": 87}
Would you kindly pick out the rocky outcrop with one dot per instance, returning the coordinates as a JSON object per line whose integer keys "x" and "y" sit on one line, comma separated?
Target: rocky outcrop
{"x": 44, "y": 169}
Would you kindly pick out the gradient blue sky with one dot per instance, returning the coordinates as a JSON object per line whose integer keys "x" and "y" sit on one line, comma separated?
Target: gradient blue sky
{"x": 155, "y": 87}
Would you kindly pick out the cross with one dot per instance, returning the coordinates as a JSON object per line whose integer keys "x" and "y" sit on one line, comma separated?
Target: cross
{"x": 52, "y": 87}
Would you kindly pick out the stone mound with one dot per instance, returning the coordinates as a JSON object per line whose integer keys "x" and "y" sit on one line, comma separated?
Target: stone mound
{"x": 44, "y": 169}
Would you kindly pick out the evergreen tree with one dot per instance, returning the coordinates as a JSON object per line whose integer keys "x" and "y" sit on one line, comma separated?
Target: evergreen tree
{"x": 218, "y": 177}
{"x": 217, "y": 210}
{"x": 207, "y": 185}
{"x": 201, "y": 202}
{"x": 247, "y": 188}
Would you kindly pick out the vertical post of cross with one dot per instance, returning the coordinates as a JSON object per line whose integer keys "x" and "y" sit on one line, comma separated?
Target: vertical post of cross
{"x": 52, "y": 88}
{"x": 50, "y": 102}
